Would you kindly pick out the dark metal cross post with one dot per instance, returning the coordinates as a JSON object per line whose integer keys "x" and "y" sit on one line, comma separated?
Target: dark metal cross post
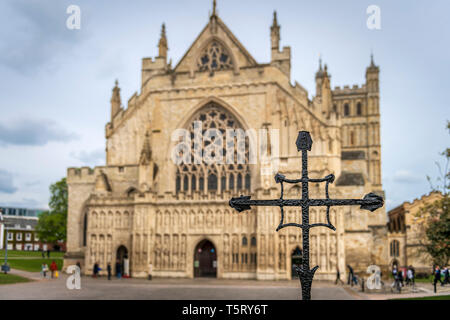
{"x": 370, "y": 202}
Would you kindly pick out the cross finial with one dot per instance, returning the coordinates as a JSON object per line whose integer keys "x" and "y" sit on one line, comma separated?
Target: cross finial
{"x": 320, "y": 61}
{"x": 116, "y": 83}
{"x": 214, "y": 7}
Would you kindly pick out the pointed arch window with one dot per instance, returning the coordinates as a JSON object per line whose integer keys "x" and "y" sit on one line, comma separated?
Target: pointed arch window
{"x": 212, "y": 182}
{"x": 214, "y": 57}
{"x": 346, "y": 110}
{"x": 359, "y": 109}
{"x": 219, "y": 176}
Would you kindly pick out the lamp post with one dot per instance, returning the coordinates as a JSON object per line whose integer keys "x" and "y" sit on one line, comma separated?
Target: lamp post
{"x": 370, "y": 202}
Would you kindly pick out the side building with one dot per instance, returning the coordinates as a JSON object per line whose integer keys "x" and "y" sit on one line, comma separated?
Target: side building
{"x": 406, "y": 235}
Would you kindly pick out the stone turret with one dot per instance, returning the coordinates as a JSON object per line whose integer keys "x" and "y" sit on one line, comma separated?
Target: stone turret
{"x": 275, "y": 34}
{"x": 323, "y": 88}
{"x": 373, "y": 89}
{"x": 162, "y": 45}
{"x": 280, "y": 59}
{"x": 115, "y": 101}
{"x": 158, "y": 65}
{"x": 372, "y": 76}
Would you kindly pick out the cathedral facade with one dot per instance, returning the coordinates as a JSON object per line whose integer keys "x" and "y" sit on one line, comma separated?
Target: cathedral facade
{"x": 173, "y": 218}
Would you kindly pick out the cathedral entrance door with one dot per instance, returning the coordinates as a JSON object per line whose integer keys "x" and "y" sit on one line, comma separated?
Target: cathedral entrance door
{"x": 296, "y": 259}
{"x": 205, "y": 260}
{"x": 122, "y": 259}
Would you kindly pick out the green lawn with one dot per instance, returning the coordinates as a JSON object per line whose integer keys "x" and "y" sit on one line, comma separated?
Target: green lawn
{"x": 427, "y": 280}
{"x": 427, "y": 298}
{"x": 37, "y": 254}
{"x": 11, "y": 278}
{"x": 32, "y": 265}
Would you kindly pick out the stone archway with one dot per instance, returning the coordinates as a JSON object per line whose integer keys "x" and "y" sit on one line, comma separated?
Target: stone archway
{"x": 296, "y": 260}
{"x": 123, "y": 261}
{"x": 205, "y": 260}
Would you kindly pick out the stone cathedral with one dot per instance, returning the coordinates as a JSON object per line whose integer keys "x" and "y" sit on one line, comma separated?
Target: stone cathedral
{"x": 173, "y": 219}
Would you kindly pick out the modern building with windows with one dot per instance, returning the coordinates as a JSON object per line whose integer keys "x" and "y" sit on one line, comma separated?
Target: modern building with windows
{"x": 19, "y": 234}
{"x": 17, "y": 229}
{"x": 175, "y": 216}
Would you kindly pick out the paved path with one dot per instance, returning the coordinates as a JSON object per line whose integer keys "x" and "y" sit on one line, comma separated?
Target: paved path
{"x": 190, "y": 289}
{"x": 162, "y": 289}
{"x": 27, "y": 274}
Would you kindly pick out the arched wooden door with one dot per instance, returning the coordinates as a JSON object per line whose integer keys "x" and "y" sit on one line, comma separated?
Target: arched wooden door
{"x": 205, "y": 260}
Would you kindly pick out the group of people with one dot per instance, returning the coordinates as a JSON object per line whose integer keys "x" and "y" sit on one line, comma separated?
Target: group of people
{"x": 119, "y": 272}
{"x": 43, "y": 252}
{"x": 404, "y": 276}
{"x": 53, "y": 269}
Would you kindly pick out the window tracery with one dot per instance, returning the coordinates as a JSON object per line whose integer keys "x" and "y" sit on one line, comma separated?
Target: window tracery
{"x": 216, "y": 177}
{"x": 214, "y": 57}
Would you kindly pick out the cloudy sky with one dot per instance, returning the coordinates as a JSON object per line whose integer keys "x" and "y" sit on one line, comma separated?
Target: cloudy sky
{"x": 56, "y": 83}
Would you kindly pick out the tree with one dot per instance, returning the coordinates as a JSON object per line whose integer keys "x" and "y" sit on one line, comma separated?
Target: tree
{"x": 52, "y": 224}
{"x": 437, "y": 216}
{"x": 437, "y": 230}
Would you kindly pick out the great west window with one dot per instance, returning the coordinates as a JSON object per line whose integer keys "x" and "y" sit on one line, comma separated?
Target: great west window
{"x": 218, "y": 176}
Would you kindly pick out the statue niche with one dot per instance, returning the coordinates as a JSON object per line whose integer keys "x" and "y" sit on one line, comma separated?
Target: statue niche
{"x": 148, "y": 169}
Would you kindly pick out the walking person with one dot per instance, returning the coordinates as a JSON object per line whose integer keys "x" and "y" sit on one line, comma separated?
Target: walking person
{"x": 446, "y": 273}
{"x": 351, "y": 275}
{"x": 118, "y": 269}
{"x": 437, "y": 277}
{"x": 44, "y": 270}
{"x": 410, "y": 276}
{"x": 338, "y": 276}
{"x": 108, "y": 268}
{"x": 96, "y": 269}
{"x": 48, "y": 253}
{"x": 396, "y": 283}
{"x": 400, "y": 277}
{"x": 43, "y": 254}
{"x": 53, "y": 269}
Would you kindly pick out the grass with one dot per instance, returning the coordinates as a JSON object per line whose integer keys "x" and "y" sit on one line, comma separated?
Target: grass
{"x": 427, "y": 298}
{"x": 12, "y": 278}
{"x": 37, "y": 254}
{"x": 33, "y": 265}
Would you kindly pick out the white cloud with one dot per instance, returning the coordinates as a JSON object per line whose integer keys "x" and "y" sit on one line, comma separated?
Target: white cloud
{"x": 92, "y": 158}
{"x": 404, "y": 176}
{"x": 33, "y": 132}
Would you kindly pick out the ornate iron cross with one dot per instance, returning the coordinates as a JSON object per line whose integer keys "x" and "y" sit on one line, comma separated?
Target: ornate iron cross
{"x": 370, "y": 202}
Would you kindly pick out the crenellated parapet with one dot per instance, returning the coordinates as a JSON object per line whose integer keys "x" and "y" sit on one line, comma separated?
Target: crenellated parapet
{"x": 152, "y": 67}
{"x": 83, "y": 174}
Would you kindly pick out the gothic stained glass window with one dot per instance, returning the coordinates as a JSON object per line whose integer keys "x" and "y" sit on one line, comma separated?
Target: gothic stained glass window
{"x": 214, "y": 57}
{"x": 217, "y": 177}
